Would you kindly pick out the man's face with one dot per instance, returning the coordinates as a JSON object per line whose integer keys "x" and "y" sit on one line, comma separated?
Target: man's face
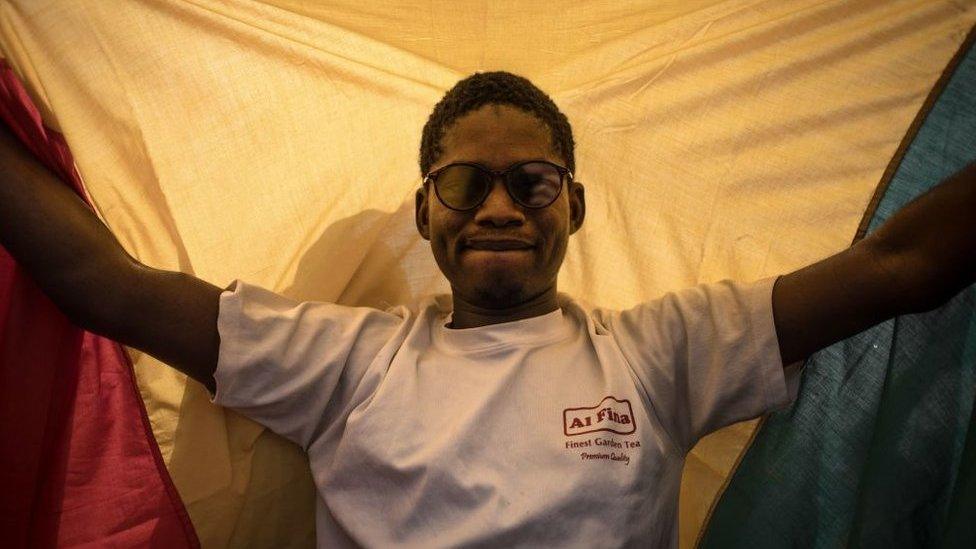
{"x": 465, "y": 243}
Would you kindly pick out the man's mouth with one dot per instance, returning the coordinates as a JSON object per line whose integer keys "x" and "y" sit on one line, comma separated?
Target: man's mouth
{"x": 497, "y": 244}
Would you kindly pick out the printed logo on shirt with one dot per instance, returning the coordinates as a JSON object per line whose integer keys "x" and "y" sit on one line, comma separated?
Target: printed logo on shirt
{"x": 611, "y": 414}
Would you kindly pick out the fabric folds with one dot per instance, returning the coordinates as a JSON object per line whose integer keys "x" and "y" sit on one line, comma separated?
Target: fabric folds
{"x": 877, "y": 451}
{"x": 276, "y": 142}
{"x": 78, "y": 461}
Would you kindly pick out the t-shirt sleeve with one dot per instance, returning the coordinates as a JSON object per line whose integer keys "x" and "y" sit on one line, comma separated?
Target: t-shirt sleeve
{"x": 280, "y": 361}
{"x": 707, "y": 356}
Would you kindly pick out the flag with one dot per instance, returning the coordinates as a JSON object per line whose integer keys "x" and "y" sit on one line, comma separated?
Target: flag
{"x": 78, "y": 461}
{"x": 276, "y": 142}
{"x": 877, "y": 451}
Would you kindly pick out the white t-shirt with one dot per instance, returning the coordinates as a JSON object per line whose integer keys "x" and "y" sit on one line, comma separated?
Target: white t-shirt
{"x": 563, "y": 430}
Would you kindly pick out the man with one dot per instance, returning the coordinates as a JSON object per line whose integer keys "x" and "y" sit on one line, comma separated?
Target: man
{"x": 505, "y": 414}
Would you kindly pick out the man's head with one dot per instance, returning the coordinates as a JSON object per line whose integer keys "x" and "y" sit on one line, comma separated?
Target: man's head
{"x": 499, "y": 254}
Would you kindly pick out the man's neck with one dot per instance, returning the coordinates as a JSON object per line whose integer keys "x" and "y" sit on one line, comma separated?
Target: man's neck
{"x": 472, "y": 315}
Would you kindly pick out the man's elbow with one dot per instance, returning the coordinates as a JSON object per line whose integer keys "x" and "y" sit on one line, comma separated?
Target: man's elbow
{"x": 95, "y": 297}
{"x": 917, "y": 281}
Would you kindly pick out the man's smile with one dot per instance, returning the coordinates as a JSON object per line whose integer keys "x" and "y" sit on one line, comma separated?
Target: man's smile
{"x": 497, "y": 244}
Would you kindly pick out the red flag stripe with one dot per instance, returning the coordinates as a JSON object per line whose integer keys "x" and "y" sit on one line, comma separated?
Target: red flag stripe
{"x": 78, "y": 461}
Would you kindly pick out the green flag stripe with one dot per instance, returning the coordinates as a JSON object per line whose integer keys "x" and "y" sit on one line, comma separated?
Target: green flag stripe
{"x": 871, "y": 454}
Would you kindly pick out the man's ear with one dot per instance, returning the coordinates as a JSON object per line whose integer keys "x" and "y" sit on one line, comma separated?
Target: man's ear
{"x": 422, "y": 212}
{"x": 577, "y": 206}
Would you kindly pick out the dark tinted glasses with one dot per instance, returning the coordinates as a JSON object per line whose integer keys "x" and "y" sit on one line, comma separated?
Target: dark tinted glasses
{"x": 464, "y": 186}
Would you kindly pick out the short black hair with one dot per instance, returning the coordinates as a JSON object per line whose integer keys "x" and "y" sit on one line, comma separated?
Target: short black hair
{"x": 495, "y": 88}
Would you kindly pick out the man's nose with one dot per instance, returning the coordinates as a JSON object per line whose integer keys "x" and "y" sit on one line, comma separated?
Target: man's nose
{"x": 499, "y": 209}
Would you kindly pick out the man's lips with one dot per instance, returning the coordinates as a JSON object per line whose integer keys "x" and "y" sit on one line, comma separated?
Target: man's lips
{"x": 497, "y": 244}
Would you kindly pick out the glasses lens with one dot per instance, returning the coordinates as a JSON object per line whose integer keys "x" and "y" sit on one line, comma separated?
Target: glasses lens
{"x": 461, "y": 187}
{"x": 536, "y": 184}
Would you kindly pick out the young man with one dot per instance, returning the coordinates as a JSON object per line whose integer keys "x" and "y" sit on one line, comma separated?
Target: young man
{"x": 505, "y": 414}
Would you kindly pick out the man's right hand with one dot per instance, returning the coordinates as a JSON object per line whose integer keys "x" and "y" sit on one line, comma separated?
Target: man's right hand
{"x": 80, "y": 265}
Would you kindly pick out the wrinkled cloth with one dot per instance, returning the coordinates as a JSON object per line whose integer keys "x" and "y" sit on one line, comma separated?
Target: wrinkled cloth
{"x": 880, "y": 446}
{"x": 78, "y": 461}
{"x": 277, "y": 142}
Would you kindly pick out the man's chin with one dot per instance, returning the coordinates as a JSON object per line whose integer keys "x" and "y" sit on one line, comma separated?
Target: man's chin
{"x": 498, "y": 290}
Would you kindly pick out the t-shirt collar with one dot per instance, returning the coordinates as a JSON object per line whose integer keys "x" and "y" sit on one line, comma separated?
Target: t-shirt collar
{"x": 536, "y": 330}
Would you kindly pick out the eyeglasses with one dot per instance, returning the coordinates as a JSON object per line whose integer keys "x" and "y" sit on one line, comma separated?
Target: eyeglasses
{"x": 464, "y": 186}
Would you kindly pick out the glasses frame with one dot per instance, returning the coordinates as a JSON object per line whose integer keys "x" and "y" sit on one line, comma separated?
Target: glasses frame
{"x": 431, "y": 177}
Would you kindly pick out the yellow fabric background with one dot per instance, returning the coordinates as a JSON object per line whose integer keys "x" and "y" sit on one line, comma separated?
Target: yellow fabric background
{"x": 277, "y": 142}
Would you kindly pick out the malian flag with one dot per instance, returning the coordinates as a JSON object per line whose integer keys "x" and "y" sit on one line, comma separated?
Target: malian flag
{"x": 276, "y": 141}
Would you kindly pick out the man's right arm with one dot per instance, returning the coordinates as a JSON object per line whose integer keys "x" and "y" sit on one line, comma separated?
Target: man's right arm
{"x": 80, "y": 265}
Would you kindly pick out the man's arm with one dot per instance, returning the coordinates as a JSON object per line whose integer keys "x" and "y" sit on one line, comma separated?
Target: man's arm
{"x": 915, "y": 262}
{"x": 80, "y": 265}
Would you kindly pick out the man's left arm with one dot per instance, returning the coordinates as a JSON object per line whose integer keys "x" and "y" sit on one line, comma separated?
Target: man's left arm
{"x": 915, "y": 262}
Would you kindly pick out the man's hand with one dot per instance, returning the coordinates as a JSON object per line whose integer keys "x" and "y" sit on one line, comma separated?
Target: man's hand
{"x": 80, "y": 265}
{"x": 921, "y": 257}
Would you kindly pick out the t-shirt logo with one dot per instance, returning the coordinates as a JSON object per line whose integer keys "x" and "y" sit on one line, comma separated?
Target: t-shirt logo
{"x": 610, "y": 414}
